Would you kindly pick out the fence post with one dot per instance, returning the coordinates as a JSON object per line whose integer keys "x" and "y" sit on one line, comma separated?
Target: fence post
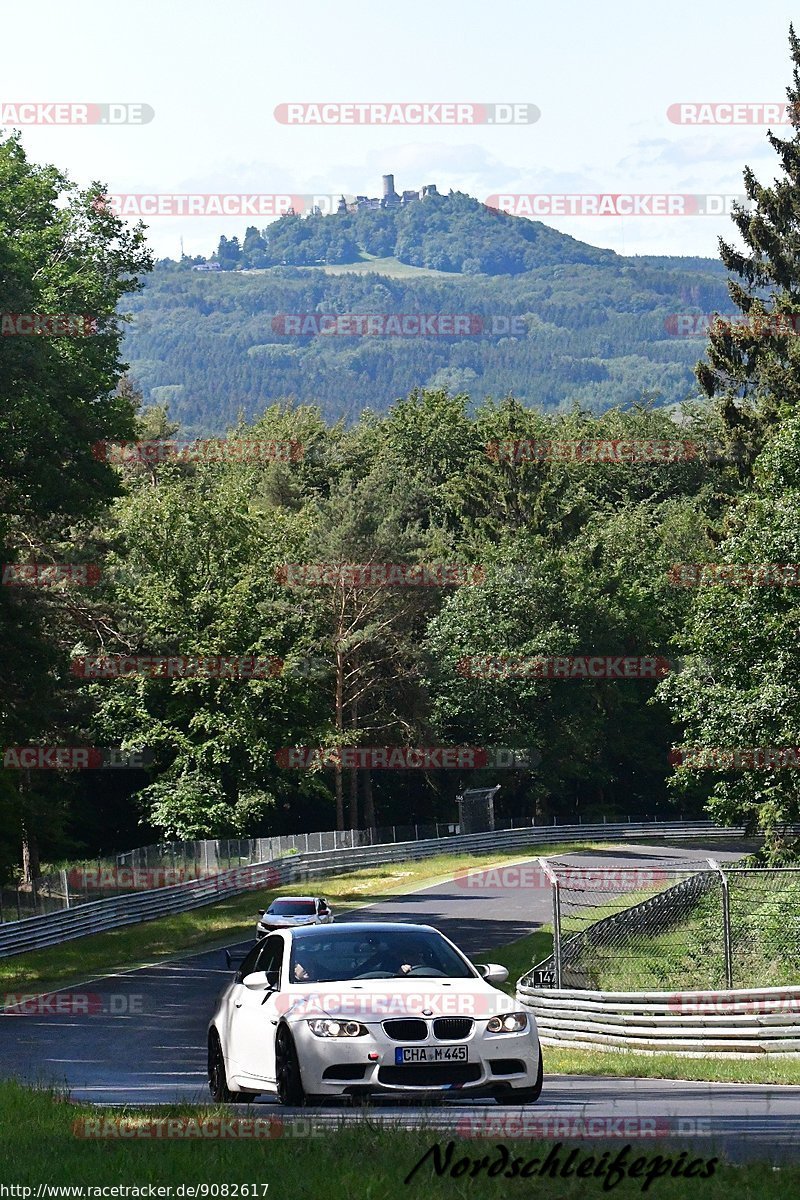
{"x": 65, "y": 883}
{"x": 726, "y": 922}
{"x": 551, "y": 875}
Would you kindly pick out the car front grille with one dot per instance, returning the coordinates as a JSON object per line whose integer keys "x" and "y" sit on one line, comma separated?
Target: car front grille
{"x": 452, "y": 1029}
{"x": 430, "y": 1074}
{"x": 408, "y": 1030}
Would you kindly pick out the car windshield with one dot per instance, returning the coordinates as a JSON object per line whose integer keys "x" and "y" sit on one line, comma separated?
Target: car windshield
{"x": 292, "y": 908}
{"x": 385, "y": 954}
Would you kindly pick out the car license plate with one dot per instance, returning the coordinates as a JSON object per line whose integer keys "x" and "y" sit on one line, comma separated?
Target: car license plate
{"x": 429, "y": 1054}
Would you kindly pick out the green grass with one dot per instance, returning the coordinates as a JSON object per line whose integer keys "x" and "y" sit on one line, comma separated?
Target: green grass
{"x": 229, "y": 921}
{"x": 384, "y": 266}
{"x": 520, "y": 956}
{"x": 361, "y": 1163}
{"x": 625, "y": 1064}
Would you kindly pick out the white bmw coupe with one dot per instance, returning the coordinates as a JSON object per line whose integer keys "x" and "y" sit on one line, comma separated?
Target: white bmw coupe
{"x": 362, "y": 1008}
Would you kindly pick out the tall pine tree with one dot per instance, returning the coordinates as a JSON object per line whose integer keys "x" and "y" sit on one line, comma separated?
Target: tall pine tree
{"x": 753, "y": 361}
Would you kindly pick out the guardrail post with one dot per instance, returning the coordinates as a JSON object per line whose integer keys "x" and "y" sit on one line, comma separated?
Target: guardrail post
{"x": 551, "y": 875}
{"x": 726, "y": 922}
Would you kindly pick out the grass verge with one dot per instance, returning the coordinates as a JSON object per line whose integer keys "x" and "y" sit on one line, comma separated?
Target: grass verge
{"x": 368, "y": 1162}
{"x": 230, "y": 921}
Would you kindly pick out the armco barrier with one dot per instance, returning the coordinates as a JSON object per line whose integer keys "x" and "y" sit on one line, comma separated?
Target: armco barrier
{"x": 740, "y": 1023}
{"x": 100, "y": 915}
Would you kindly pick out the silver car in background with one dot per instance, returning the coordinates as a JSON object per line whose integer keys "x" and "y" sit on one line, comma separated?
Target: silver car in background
{"x": 290, "y": 912}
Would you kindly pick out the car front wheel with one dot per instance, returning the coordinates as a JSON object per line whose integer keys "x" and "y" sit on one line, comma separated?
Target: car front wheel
{"x": 217, "y": 1079}
{"x": 287, "y": 1070}
{"x": 525, "y": 1095}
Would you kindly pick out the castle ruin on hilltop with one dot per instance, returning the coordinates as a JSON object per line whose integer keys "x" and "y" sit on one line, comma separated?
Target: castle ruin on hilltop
{"x": 389, "y": 199}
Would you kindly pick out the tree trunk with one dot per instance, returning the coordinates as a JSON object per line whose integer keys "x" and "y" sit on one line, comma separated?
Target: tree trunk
{"x": 30, "y": 844}
{"x": 354, "y": 798}
{"x": 369, "y": 806}
{"x": 354, "y": 823}
{"x": 30, "y": 855}
{"x": 339, "y": 728}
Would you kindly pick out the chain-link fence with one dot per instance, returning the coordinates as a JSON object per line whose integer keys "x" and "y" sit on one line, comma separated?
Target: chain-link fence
{"x": 694, "y": 926}
{"x": 165, "y": 864}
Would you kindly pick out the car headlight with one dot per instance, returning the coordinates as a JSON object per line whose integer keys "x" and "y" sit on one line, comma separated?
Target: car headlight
{"x": 510, "y": 1023}
{"x": 325, "y": 1028}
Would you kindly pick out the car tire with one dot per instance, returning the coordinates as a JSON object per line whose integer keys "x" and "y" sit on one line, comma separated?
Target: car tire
{"x": 287, "y": 1070}
{"x": 525, "y": 1095}
{"x": 217, "y": 1078}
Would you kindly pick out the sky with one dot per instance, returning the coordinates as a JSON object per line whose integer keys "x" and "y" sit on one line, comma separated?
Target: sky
{"x": 602, "y": 77}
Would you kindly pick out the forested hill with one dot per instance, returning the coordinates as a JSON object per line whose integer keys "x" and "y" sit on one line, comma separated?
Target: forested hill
{"x": 445, "y": 233}
{"x": 567, "y": 323}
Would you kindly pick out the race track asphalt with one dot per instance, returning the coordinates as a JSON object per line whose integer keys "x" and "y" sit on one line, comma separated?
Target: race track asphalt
{"x": 143, "y": 1039}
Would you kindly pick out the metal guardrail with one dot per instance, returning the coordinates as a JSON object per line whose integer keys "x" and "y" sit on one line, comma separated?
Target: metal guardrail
{"x": 741, "y": 1023}
{"x": 99, "y": 915}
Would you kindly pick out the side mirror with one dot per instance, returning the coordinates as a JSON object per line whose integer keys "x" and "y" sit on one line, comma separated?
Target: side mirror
{"x": 257, "y": 980}
{"x": 492, "y": 972}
